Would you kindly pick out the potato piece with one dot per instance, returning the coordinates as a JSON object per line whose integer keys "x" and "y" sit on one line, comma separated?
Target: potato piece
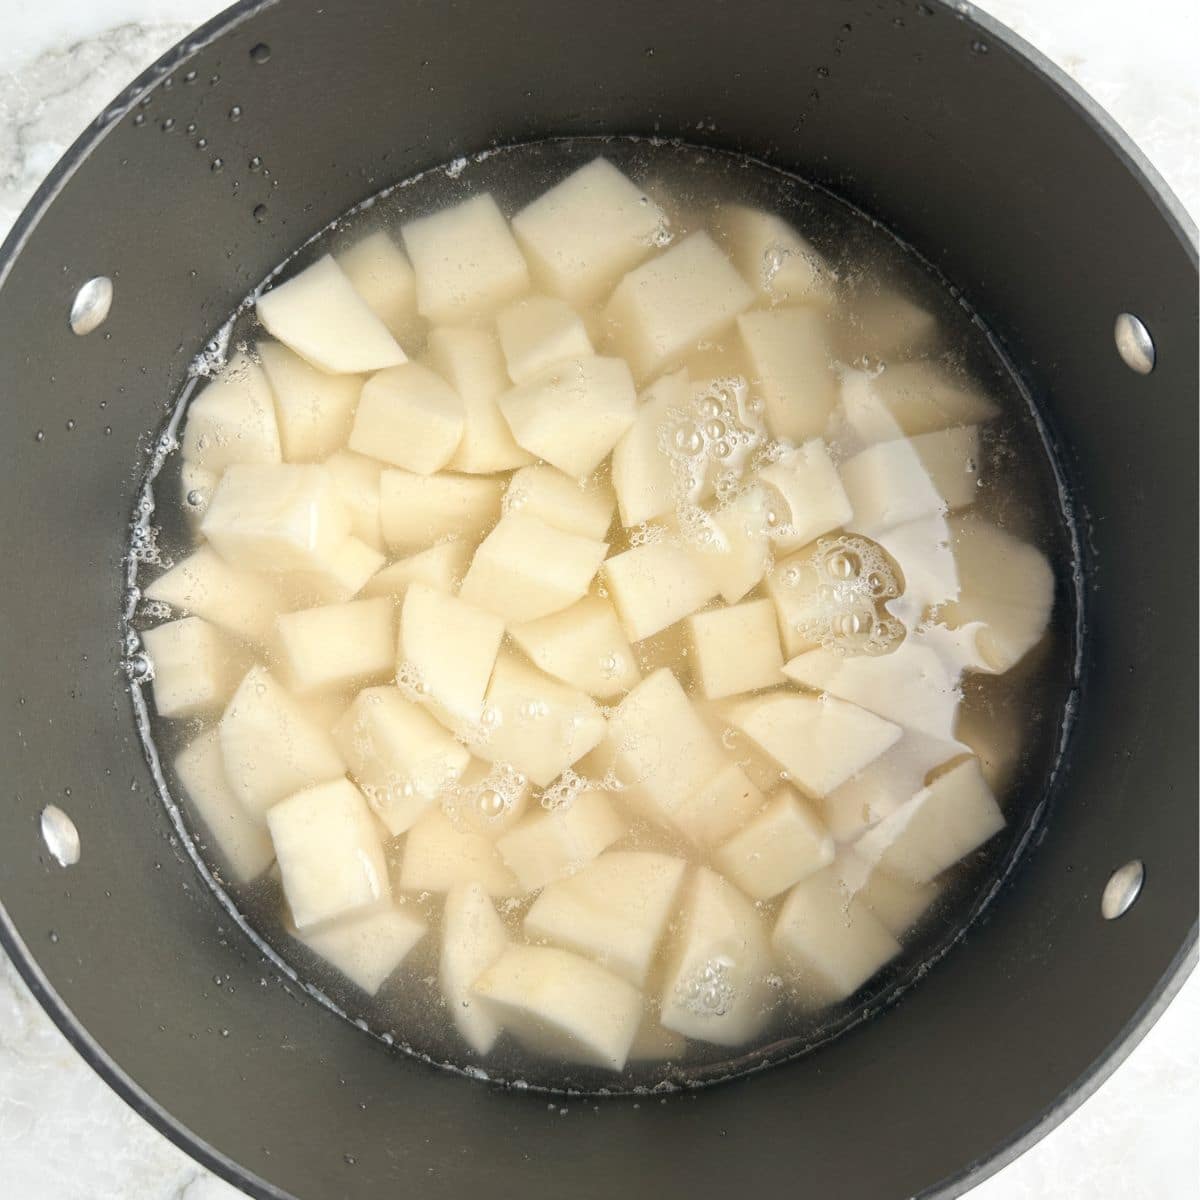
{"x": 196, "y": 486}
{"x": 583, "y": 508}
{"x": 525, "y": 569}
{"x": 791, "y": 368}
{"x": 720, "y": 805}
{"x": 908, "y": 399}
{"x": 584, "y": 233}
{"x": 367, "y": 948}
{"x": 806, "y": 495}
{"x": 313, "y": 410}
{"x": 326, "y": 710}
{"x": 409, "y": 417}
{"x": 329, "y": 852}
{"x": 897, "y": 903}
{"x": 466, "y": 260}
{"x": 320, "y": 316}
{"x": 471, "y": 362}
{"x": 771, "y": 256}
{"x": 398, "y": 754}
{"x": 742, "y": 553}
{"x": 561, "y": 1005}
{"x": 194, "y": 667}
{"x": 437, "y": 857}
{"x": 792, "y": 585}
{"x": 441, "y": 567}
{"x": 662, "y": 308}
{"x": 277, "y": 517}
{"x": 339, "y": 577}
{"x": 415, "y": 510}
{"x": 548, "y": 844}
{"x": 384, "y": 278}
{"x": 641, "y": 471}
{"x": 490, "y": 798}
{"x": 357, "y": 481}
{"x": 885, "y": 325}
{"x": 715, "y": 988}
{"x": 924, "y": 551}
{"x": 821, "y": 742}
{"x": 613, "y": 911}
{"x": 655, "y": 585}
{"x": 232, "y": 419}
{"x": 572, "y": 412}
{"x": 736, "y": 648}
{"x": 338, "y": 645}
{"x": 242, "y": 842}
{"x": 583, "y": 645}
{"x": 473, "y": 937}
{"x": 780, "y": 846}
{"x": 830, "y": 942}
{"x": 538, "y": 332}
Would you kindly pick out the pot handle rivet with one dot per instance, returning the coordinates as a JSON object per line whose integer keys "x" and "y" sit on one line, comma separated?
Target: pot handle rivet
{"x": 60, "y": 835}
{"x": 1122, "y": 889}
{"x": 1134, "y": 343}
{"x": 89, "y": 309}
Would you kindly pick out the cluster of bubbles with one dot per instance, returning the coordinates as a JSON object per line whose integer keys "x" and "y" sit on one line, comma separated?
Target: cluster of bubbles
{"x": 570, "y": 784}
{"x": 491, "y": 799}
{"x": 709, "y": 991}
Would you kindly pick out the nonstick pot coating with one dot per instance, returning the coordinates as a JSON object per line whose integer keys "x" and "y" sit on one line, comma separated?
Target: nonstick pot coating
{"x": 939, "y": 124}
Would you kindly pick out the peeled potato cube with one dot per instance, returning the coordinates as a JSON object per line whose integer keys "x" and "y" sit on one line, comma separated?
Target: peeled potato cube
{"x": 338, "y": 645}
{"x": 339, "y": 576}
{"x": 242, "y": 841}
{"x": 357, "y": 481}
{"x": 204, "y": 584}
{"x": 329, "y": 852}
{"x": 821, "y": 742}
{"x": 925, "y": 553}
{"x": 196, "y": 486}
{"x": 662, "y": 308}
{"x": 583, "y": 645}
{"x": 780, "y": 846}
{"x": 562, "y": 1006}
{"x": 741, "y": 553}
{"x": 471, "y": 362}
{"x": 438, "y": 857}
{"x": 489, "y": 798}
{"x": 384, "y": 278}
{"x": 326, "y": 710}
{"x": 715, "y": 987}
{"x": 409, "y": 417}
{"x": 909, "y": 399}
{"x": 232, "y": 419}
{"x": 572, "y": 412}
{"x": 441, "y": 567}
{"x": 525, "y": 569}
{"x": 792, "y": 586}
{"x": 548, "y": 844}
{"x": 584, "y": 233}
{"x": 791, "y": 368}
{"x": 367, "y": 948}
{"x": 812, "y": 499}
{"x": 736, "y": 648}
{"x": 473, "y": 937}
{"x": 887, "y": 326}
{"x": 538, "y": 332}
{"x": 416, "y": 511}
{"x": 771, "y": 256}
{"x": 641, "y": 470}
{"x": 398, "y": 754}
{"x": 322, "y": 318}
{"x": 897, "y": 903}
{"x": 584, "y": 508}
{"x": 613, "y": 911}
{"x": 655, "y": 585}
{"x": 465, "y": 259}
{"x": 193, "y": 667}
{"x": 314, "y": 410}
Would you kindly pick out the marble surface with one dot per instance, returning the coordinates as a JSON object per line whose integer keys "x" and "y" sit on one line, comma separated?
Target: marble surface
{"x": 1135, "y": 1139}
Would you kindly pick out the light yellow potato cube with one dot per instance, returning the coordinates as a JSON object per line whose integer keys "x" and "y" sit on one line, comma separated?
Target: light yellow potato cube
{"x": 897, "y": 903}
{"x": 357, "y": 481}
{"x": 741, "y": 553}
{"x": 792, "y": 585}
{"x": 538, "y": 332}
{"x": 242, "y": 841}
{"x": 641, "y": 470}
{"x": 194, "y": 667}
{"x": 339, "y": 577}
{"x": 329, "y": 852}
{"x": 384, "y": 278}
{"x": 328, "y": 709}
{"x": 473, "y": 937}
{"x": 924, "y": 551}
{"x": 806, "y": 495}
{"x": 908, "y": 399}
{"x": 410, "y": 417}
{"x": 196, "y": 486}
{"x": 525, "y": 569}
{"x": 367, "y": 947}
{"x": 441, "y": 567}
{"x": 563, "y": 1006}
{"x": 466, "y": 260}
{"x": 581, "y": 507}
{"x": 549, "y": 844}
{"x": 322, "y": 318}
{"x": 417, "y": 510}
{"x": 653, "y": 1043}
{"x": 232, "y": 419}
{"x": 657, "y": 584}
{"x": 771, "y": 256}
{"x": 886, "y": 326}
{"x": 313, "y": 410}
{"x": 338, "y": 645}
{"x": 718, "y": 807}
{"x": 584, "y": 233}
{"x": 736, "y": 648}
{"x": 780, "y": 846}
{"x": 437, "y": 857}
{"x": 715, "y": 986}
{"x": 614, "y": 911}
{"x": 791, "y": 369}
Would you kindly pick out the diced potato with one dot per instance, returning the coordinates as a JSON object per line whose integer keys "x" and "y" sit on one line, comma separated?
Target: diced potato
{"x": 338, "y": 645}
{"x": 548, "y": 844}
{"x": 780, "y": 846}
{"x": 398, "y": 754}
{"x": 756, "y": 767}
{"x": 326, "y": 709}
{"x": 742, "y": 553}
{"x": 924, "y": 551}
{"x": 278, "y": 517}
{"x": 466, "y": 260}
{"x": 313, "y": 410}
{"x": 830, "y": 942}
{"x": 791, "y": 368}
{"x": 490, "y": 798}
{"x": 367, "y": 948}
{"x": 196, "y": 486}
{"x": 339, "y": 577}
{"x": 384, "y": 278}
{"x": 329, "y": 852}
{"x": 409, "y": 417}
{"x": 437, "y": 857}
{"x": 908, "y": 399}
{"x": 441, "y": 567}
{"x": 811, "y": 498}
{"x": 942, "y": 823}
{"x": 416, "y": 510}
{"x": 538, "y": 332}
{"x": 721, "y": 804}
{"x": 242, "y": 841}
{"x": 657, "y": 584}
{"x": 715, "y": 988}
{"x": 584, "y": 233}
{"x": 271, "y": 748}
{"x": 583, "y": 645}
{"x": 821, "y": 742}
{"x": 561, "y": 1005}
{"x": 471, "y": 362}
{"x": 792, "y": 585}
{"x": 897, "y": 903}
{"x": 771, "y": 256}
{"x": 357, "y": 481}
{"x": 194, "y": 671}
{"x": 319, "y": 315}
{"x": 572, "y": 412}
{"x": 525, "y": 569}
{"x": 653, "y": 1043}
{"x": 614, "y": 911}
{"x": 473, "y": 937}
{"x": 232, "y": 419}
{"x": 539, "y": 726}
{"x": 886, "y": 325}
{"x": 641, "y": 471}
{"x": 662, "y": 308}
{"x": 736, "y": 648}
{"x": 584, "y": 508}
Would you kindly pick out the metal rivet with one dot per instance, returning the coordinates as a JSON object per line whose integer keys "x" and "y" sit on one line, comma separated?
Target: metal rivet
{"x": 60, "y": 835}
{"x": 1122, "y": 889}
{"x": 91, "y": 304}
{"x": 1134, "y": 343}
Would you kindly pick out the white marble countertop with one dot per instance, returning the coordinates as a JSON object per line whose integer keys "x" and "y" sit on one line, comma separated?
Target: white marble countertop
{"x": 1135, "y": 1139}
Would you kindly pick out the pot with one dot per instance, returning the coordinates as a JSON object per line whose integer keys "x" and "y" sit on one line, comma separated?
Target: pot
{"x": 934, "y": 121}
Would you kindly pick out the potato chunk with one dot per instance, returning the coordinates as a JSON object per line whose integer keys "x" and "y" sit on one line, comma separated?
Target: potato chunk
{"x": 736, "y": 648}
{"x": 439, "y": 857}
{"x": 416, "y": 510}
{"x": 384, "y": 278}
{"x": 886, "y": 326}
{"x": 196, "y": 486}
{"x": 548, "y": 844}
{"x": 741, "y": 553}
{"x": 538, "y": 332}
{"x": 908, "y": 399}
{"x": 357, "y": 481}
{"x": 721, "y": 804}
{"x": 584, "y": 508}
{"x": 314, "y": 410}
{"x": 806, "y": 495}
{"x": 473, "y": 937}
{"x": 897, "y": 903}
{"x": 441, "y": 567}
{"x": 193, "y": 668}
{"x": 367, "y": 948}
{"x": 641, "y": 470}
{"x": 232, "y": 419}
{"x": 925, "y": 552}
{"x": 338, "y": 645}
{"x": 409, "y": 417}
{"x": 771, "y": 256}
{"x": 339, "y": 576}
{"x": 657, "y": 584}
